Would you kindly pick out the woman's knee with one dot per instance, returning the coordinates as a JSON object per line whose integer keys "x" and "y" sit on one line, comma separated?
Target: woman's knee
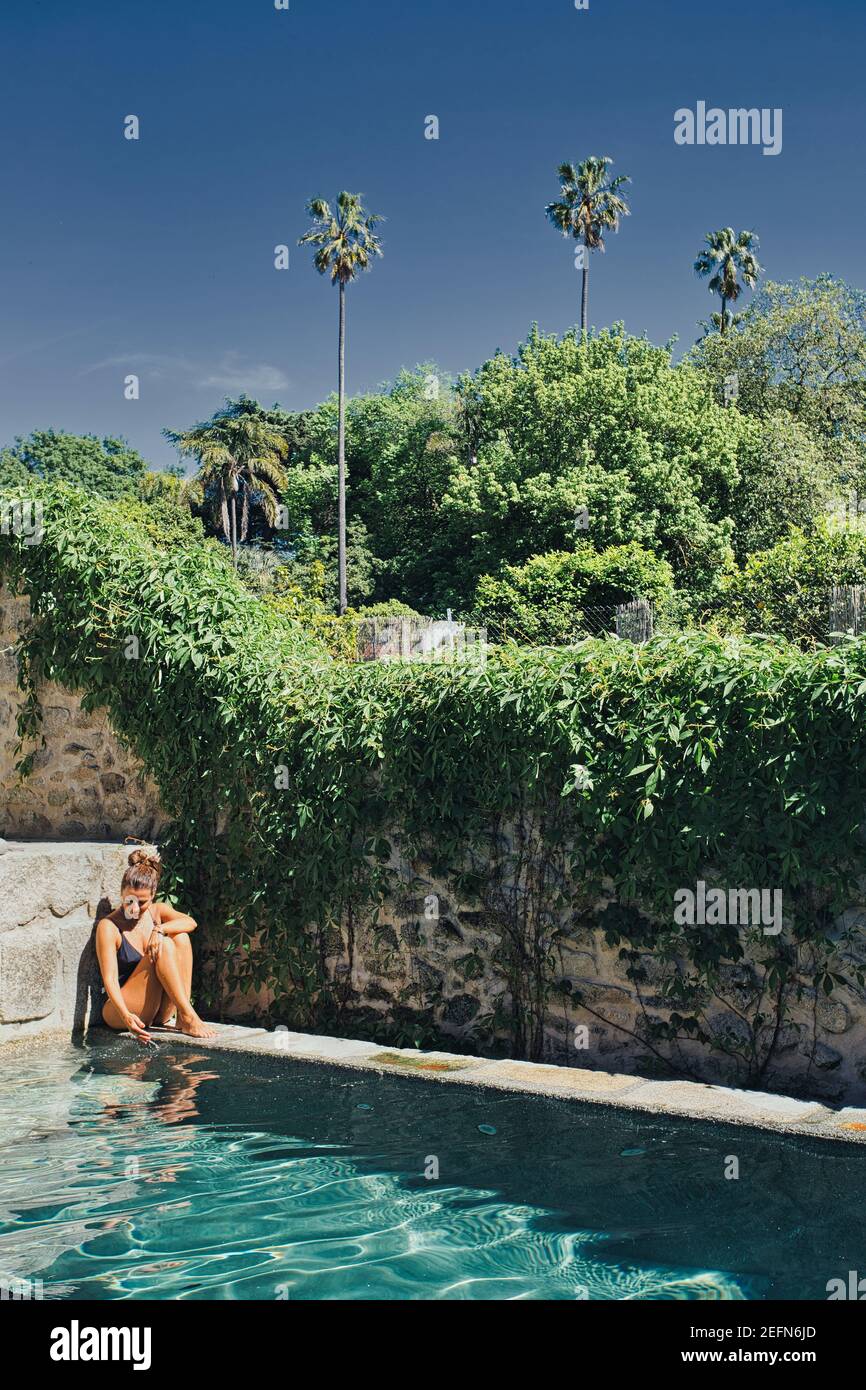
{"x": 167, "y": 952}
{"x": 181, "y": 943}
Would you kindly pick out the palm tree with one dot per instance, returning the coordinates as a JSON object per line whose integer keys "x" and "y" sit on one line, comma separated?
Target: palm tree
{"x": 715, "y": 321}
{"x": 590, "y": 206}
{"x": 170, "y": 485}
{"x": 345, "y": 243}
{"x": 724, "y": 257}
{"x": 240, "y": 462}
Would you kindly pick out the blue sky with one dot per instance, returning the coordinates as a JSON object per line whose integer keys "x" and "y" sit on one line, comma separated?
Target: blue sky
{"x": 156, "y": 256}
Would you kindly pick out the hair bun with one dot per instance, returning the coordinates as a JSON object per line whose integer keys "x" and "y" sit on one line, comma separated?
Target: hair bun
{"x": 142, "y": 856}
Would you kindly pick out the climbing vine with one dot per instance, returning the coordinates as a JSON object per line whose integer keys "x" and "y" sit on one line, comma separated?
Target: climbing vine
{"x": 631, "y": 771}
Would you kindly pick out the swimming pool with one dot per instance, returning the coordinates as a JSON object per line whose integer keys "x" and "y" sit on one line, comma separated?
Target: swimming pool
{"x": 185, "y": 1174}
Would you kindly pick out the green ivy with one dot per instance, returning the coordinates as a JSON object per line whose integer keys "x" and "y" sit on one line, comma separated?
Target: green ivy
{"x": 636, "y": 767}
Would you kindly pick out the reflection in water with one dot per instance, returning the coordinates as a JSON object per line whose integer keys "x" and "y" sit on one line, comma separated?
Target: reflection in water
{"x": 125, "y": 1173}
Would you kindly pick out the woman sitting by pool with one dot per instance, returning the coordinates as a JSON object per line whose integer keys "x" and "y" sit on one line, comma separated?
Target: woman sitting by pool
{"x": 145, "y": 956}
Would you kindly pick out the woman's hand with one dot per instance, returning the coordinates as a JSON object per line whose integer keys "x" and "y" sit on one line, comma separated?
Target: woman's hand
{"x": 154, "y": 942}
{"x": 136, "y": 1027}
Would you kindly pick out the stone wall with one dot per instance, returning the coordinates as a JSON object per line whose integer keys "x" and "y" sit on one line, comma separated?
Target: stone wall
{"x": 431, "y": 966}
{"x": 84, "y": 785}
{"x": 51, "y": 896}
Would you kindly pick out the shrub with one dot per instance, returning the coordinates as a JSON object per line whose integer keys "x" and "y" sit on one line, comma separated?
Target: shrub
{"x": 557, "y": 597}
{"x": 787, "y": 589}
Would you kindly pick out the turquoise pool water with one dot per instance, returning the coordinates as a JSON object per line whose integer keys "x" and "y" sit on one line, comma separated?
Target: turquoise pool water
{"x": 182, "y": 1174}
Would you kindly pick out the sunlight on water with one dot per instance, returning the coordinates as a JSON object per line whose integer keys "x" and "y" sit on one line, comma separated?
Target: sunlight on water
{"x": 128, "y": 1177}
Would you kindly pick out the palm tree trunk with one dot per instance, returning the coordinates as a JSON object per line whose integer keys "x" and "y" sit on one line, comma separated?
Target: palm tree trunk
{"x": 584, "y": 298}
{"x": 724, "y": 314}
{"x": 341, "y": 459}
{"x": 234, "y": 522}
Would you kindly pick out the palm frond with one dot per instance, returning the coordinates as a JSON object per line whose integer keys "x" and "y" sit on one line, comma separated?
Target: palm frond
{"x": 590, "y": 204}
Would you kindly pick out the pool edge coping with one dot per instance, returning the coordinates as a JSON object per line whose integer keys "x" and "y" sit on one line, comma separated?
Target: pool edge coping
{"x": 676, "y": 1098}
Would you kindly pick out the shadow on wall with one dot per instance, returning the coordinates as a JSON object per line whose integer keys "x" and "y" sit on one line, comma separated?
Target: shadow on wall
{"x": 87, "y": 1004}
{"x": 51, "y": 897}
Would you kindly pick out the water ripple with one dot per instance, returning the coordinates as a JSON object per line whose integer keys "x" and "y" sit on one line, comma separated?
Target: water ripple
{"x": 124, "y": 1179}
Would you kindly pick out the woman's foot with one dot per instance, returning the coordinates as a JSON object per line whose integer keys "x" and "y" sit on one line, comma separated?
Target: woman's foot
{"x": 193, "y": 1026}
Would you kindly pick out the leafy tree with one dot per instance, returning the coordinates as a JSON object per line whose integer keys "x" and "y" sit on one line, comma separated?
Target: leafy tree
{"x": 345, "y": 243}
{"x": 589, "y": 205}
{"x": 400, "y": 446}
{"x": 108, "y": 468}
{"x": 171, "y": 502}
{"x": 605, "y": 423}
{"x": 557, "y": 597}
{"x": 801, "y": 349}
{"x": 451, "y": 485}
{"x": 312, "y": 553}
{"x": 240, "y": 465}
{"x": 785, "y": 480}
{"x": 726, "y": 257}
{"x": 14, "y": 475}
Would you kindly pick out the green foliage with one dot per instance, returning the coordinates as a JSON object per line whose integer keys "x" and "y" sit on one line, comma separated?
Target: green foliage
{"x": 239, "y": 453}
{"x": 14, "y": 475}
{"x": 800, "y": 349}
{"x": 787, "y": 589}
{"x": 167, "y": 514}
{"x": 636, "y": 766}
{"x": 559, "y": 597}
{"x": 453, "y": 485}
{"x": 447, "y": 485}
{"x": 391, "y": 608}
{"x": 604, "y": 423}
{"x": 786, "y": 479}
{"x": 400, "y": 444}
{"x": 107, "y": 468}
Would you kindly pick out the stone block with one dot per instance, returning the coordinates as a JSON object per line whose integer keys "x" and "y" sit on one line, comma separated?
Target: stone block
{"x": 80, "y": 979}
{"x": 460, "y": 1010}
{"x": 725, "y": 1103}
{"x": 29, "y": 969}
{"x": 833, "y": 1016}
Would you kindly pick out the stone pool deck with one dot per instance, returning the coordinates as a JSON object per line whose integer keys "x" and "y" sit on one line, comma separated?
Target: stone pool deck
{"x": 681, "y": 1098}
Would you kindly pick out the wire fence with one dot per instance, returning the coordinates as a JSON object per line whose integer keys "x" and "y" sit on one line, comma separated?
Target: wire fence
{"x": 810, "y": 617}
{"x": 633, "y": 621}
{"x": 817, "y": 617}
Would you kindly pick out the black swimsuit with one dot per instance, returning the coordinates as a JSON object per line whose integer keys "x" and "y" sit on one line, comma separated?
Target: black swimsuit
{"x": 127, "y": 960}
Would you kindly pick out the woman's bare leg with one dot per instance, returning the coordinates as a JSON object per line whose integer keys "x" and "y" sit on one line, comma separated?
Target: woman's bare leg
{"x": 142, "y": 995}
{"x": 167, "y": 1012}
{"x": 168, "y": 970}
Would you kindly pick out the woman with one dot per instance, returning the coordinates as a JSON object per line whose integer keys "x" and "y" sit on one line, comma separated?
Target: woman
{"x": 145, "y": 956}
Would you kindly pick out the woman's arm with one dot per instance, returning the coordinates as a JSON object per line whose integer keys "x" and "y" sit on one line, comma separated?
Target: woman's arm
{"x": 106, "y": 955}
{"x": 172, "y": 922}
